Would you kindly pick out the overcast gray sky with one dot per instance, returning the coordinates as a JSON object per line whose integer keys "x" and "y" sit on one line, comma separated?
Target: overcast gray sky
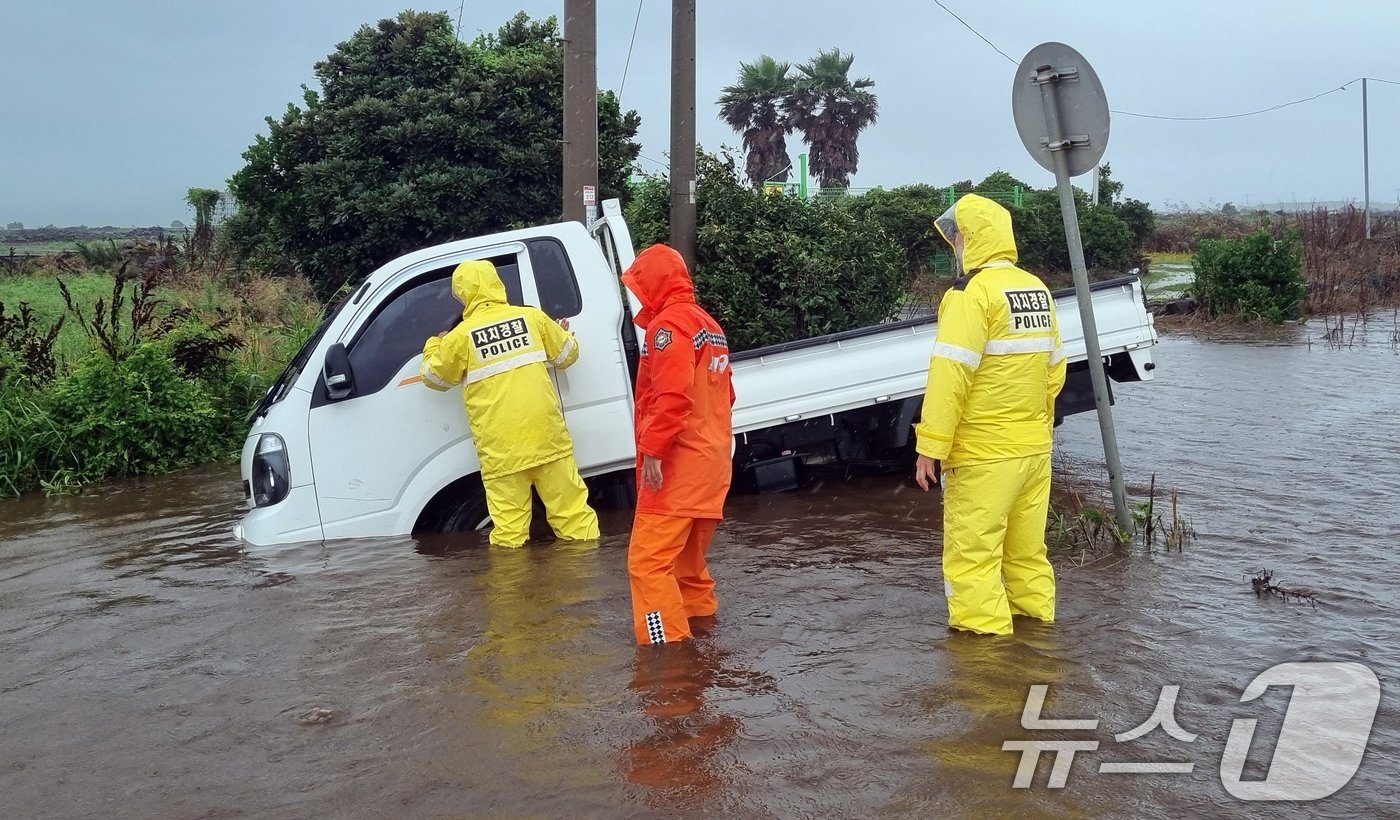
{"x": 112, "y": 108}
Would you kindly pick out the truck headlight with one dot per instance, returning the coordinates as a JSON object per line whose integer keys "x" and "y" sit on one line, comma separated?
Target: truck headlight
{"x": 272, "y": 473}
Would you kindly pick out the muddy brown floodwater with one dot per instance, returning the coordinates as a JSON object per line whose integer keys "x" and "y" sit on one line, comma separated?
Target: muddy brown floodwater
{"x": 153, "y": 669}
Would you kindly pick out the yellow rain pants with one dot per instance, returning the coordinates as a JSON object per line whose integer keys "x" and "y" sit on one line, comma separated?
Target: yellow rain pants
{"x": 994, "y": 563}
{"x": 565, "y": 498}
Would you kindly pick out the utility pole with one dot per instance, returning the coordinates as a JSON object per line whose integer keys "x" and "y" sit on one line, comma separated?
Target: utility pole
{"x": 683, "y": 130}
{"x": 580, "y": 111}
{"x": 1366, "y": 155}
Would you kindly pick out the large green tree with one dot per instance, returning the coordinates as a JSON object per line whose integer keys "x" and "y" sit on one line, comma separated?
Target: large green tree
{"x": 831, "y": 109}
{"x": 755, "y": 107}
{"x": 416, "y": 138}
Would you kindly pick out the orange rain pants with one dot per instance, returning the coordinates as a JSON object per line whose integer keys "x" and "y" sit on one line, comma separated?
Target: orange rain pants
{"x": 670, "y": 581}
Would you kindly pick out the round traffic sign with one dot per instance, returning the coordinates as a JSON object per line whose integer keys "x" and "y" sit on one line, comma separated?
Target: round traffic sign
{"x": 1078, "y": 96}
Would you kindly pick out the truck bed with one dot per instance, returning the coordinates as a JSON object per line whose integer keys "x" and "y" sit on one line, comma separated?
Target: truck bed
{"x": 793, "y": 381}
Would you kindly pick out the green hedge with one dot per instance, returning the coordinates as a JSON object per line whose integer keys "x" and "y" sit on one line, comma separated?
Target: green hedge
{"x": 1256, "y": 278}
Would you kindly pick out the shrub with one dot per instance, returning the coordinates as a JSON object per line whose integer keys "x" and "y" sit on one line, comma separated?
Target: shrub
{"x": 1108, "y": 241}
{"x": 906, "y": 214}
{"x": 26, "y": 347}
{"x": 139, "y": 415}
{"x": 1256, "y": 278}
{"x": 774, "y": 268}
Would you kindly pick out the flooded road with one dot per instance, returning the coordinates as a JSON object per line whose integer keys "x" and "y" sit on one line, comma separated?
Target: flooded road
{"x": 152, "y": 669}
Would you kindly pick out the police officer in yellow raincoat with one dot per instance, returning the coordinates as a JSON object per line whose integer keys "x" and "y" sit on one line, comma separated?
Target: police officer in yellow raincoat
{"x": 500, "y": 355}
{"x": 988, "y": 417}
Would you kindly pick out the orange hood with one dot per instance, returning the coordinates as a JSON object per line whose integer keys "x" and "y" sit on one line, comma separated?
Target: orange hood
{"x": 658, "y": 278}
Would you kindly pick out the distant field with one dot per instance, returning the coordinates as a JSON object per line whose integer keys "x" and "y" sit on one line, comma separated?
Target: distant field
{"x": 54, "y": 240}
{"x": 49, "y": 246}
{"x": 41, "y": 293}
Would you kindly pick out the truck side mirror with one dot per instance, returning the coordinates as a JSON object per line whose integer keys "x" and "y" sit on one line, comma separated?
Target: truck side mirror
{"x": 337, "y": 375}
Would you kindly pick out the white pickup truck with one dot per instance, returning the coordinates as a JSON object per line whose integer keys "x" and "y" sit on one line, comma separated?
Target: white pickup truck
{"x": 348, "y": 444}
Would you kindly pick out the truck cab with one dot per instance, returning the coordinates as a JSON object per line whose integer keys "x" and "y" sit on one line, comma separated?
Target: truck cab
{"x": 347, "y": 443}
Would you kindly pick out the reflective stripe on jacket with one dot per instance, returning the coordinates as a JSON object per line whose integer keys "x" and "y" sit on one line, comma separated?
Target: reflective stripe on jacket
{"x": 997, "y": 362}
{"x": 500, "y": 355}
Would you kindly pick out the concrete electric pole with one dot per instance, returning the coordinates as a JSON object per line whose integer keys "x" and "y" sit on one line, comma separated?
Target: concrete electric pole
{"x": 580, "y": 111}
{"x": 683, "y": 130}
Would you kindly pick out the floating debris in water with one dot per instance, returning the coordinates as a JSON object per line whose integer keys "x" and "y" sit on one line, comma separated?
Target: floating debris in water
{"x": 1263, "y": 583}
{"x": 317, "y": 715}
{"x": 274, "y": 579}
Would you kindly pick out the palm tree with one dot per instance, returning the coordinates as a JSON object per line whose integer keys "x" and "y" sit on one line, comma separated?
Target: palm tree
{"x": 755, "y": 107}
{"x": 204, "y": 201}
{"x": 832, "y": 110}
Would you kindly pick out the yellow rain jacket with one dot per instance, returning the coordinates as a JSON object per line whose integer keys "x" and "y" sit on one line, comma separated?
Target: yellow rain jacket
{"x": 998, "y": 354}
{"x": 499, "y": 354}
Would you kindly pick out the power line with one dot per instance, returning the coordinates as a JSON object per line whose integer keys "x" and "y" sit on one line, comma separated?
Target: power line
{"x": 978, "y": 33}
{"x": 460, "y": 6}
{"x": 1341, "y": 87}
{"x": 623, "y": 87}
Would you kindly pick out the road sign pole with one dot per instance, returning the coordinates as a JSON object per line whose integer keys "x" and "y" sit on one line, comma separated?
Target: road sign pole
{"x": 1047, "y": 79}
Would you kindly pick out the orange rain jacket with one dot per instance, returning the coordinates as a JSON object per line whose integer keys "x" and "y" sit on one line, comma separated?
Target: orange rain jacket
{"x": 684, "y": 391}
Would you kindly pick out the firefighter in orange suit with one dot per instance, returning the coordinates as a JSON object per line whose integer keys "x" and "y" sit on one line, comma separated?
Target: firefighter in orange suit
{"x": 988, "y": 416}
{"x": 684, "y": 449}
{"x": 500, "y": 354}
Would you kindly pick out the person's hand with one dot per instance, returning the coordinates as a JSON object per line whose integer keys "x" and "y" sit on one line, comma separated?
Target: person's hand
{"x": 564, "y": 323}
{"x": 926, "y": 472}
{"x": 442, "y": 334}
{"x": 651, "y": 472}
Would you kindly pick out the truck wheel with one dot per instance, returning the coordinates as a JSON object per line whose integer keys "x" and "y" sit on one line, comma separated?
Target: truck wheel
{"x": 467, "y": 515}
{"x": 470, "y": 514}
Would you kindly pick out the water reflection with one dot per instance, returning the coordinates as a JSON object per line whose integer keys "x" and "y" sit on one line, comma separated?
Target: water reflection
{"x": 980, "y": 701}
{"x": 681, "y": 760}
{"x": 527, "y": 668}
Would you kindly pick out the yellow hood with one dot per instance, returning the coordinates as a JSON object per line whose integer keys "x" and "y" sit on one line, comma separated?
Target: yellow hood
{"x": 986, "y": 230}
{"x": 477, "y": 285}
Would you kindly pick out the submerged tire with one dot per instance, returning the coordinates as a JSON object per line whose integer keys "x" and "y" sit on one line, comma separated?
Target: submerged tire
{"x": 468, "y": 512}
{"x": 458, "y": 507}
{"x": 467, "y": 515}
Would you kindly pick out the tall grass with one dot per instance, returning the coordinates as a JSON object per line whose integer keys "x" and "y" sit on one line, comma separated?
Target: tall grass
{"x": 1346, "y": 272}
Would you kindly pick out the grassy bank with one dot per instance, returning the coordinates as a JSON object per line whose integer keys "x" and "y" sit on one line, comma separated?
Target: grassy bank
{"x": 145, "y": 373}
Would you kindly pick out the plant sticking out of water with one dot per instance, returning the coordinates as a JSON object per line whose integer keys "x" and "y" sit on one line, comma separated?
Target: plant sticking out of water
{"x": 1338, "y": 335}
{"x": 1148, "y": 524}
{"x": 1088, "y": 529}
{"x": 1263, "y": 582}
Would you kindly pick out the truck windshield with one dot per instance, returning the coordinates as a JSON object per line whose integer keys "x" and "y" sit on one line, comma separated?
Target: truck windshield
{"x": 283, "y": 385}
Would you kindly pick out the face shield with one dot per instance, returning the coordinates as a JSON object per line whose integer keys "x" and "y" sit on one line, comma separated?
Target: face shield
{"x": 947, "y": 226}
